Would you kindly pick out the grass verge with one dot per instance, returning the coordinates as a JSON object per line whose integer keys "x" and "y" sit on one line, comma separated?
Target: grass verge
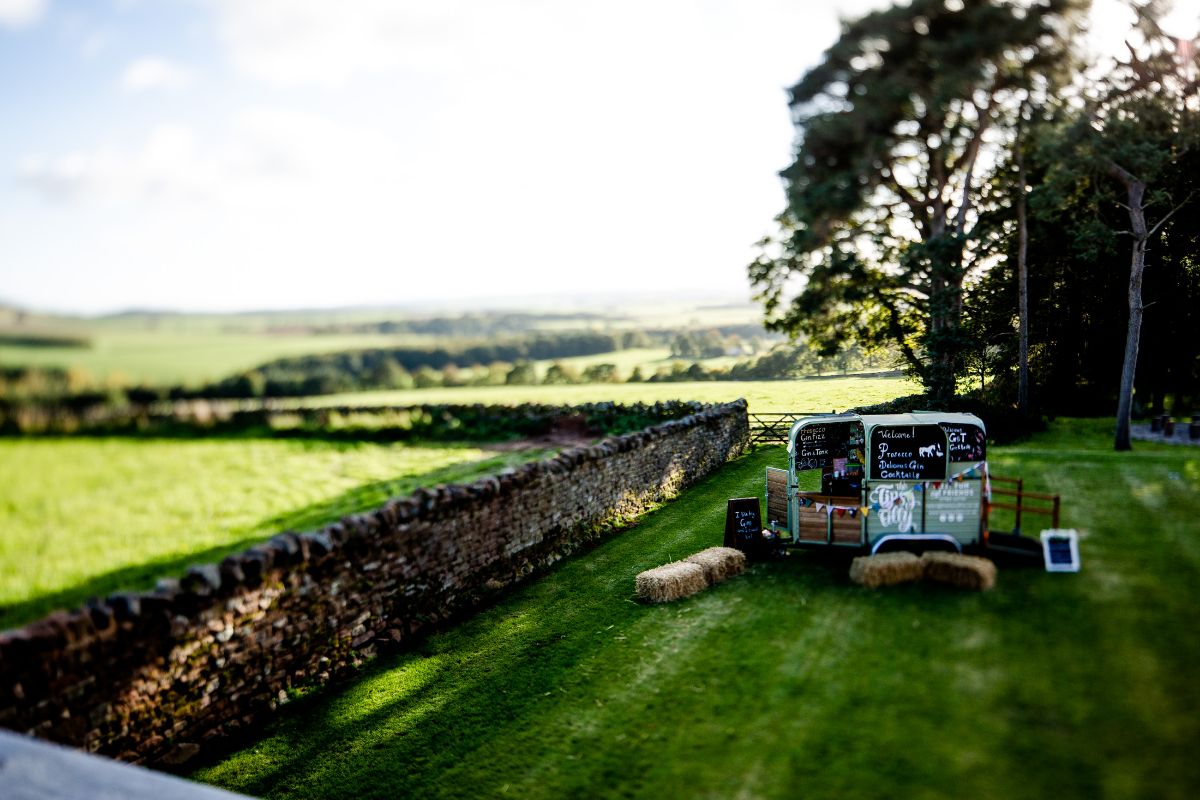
{"x": 791, "y": 681}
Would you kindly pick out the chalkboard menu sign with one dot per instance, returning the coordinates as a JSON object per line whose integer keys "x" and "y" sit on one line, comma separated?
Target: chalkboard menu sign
{"x": 743, "y": 524}
{"x": 1060, "y": 548}
{"x": 967, "y": 442}
{"x": 908, "y": 453}
{"x": 818, "y": 444}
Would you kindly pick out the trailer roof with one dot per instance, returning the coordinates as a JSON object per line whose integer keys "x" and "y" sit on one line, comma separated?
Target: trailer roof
{"x": 921, "y": 418}
{"x": 872, "y": 420}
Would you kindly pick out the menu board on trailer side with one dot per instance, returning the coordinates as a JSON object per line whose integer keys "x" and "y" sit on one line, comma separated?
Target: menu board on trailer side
{"x": 954, "y": 508}
{"x": 819, "y": 444}
{"x": 966, "y": 442}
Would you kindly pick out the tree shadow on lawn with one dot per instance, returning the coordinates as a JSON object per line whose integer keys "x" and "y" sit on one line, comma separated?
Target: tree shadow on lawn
{"x": 543, "y": 646}
{"x": 361, "y": 498}
{"x": 563, "y": 675}
{"x": 1044, "y": 686}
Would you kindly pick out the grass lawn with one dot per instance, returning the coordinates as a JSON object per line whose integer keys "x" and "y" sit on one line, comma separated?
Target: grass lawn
{"x": 83, "y": 517}
{"x": 790, "y": 681}
{"x": 811, "y": 394}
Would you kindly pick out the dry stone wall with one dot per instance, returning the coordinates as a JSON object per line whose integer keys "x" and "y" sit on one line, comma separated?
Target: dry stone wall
{"x": 155, "y": 677}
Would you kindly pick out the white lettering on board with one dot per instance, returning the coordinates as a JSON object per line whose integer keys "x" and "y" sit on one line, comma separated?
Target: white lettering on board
{"x": 896, "y": 506}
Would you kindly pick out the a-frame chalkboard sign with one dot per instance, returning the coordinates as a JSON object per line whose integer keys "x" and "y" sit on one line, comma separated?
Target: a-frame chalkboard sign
{"x": 743, "y": 524}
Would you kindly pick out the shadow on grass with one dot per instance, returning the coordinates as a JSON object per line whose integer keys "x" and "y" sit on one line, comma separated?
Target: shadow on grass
{"x": 1047, "y": 686}
{"x": 361, "y": 498}
{"x": 411, "y": 719}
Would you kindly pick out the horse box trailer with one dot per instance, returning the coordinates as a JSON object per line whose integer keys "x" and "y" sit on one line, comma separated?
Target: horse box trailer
{"x": 881, "y": 482}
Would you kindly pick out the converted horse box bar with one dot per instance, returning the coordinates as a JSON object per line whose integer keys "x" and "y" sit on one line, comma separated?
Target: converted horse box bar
{"x": 882, "y": 482}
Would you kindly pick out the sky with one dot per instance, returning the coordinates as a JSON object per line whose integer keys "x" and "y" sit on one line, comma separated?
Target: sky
{"x": 255, "y": 154}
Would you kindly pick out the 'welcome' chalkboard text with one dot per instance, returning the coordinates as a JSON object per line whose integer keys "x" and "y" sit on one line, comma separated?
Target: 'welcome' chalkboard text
{"x": 908, "y": 452}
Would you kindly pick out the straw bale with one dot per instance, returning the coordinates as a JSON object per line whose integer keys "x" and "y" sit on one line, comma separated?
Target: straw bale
{"x": 965, "y": 572}
{"x": 719, "y": 563}
{"x": 886, "y": 569}
{"x": 670, "y": 582}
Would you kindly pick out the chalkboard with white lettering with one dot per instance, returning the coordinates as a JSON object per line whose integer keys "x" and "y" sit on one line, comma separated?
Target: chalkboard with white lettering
{"x": 908, "y": 452}
{"x": 743, "y": 524}
{"x": 967, "y": 442}
{"x": 818, "y": 444}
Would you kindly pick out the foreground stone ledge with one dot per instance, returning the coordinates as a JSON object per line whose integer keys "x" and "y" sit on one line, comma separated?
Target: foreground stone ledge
{"x": 33, "y": 770}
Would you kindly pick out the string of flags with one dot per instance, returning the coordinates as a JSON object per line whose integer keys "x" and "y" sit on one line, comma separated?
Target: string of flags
{"x": 831, "y": 508}
{"x": 980, "y": 468}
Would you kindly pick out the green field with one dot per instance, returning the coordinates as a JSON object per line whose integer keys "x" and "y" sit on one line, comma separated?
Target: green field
{"x": 790, "y": 681}
{"x": 189, "y": 358}
{"x": 167, "y": 348}
{"x": 809, "y": 394}
{"x": 84, "y": 517}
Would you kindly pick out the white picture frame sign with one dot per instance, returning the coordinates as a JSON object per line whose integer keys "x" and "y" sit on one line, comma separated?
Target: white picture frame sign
{"x": 1060, "y": 549}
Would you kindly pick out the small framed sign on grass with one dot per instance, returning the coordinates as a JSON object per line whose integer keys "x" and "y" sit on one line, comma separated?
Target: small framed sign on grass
{"x": 1060, "y": 548}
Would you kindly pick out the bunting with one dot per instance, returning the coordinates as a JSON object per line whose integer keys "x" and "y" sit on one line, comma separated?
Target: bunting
{"x": 980, "y": 469}
{"x": 831, "y": 508}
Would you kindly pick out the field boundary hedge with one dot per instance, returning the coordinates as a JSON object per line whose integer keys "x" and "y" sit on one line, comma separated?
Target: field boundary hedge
{"x": 463, "y": 422}
{"x": 157, "y": 677}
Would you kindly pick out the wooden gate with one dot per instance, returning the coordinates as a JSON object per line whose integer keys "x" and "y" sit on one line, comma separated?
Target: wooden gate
{"x": 773, "y": 427}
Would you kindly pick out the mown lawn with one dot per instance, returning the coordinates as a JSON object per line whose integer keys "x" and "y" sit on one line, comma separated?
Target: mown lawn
{"x": 790, "y": 681}
{"x": 88, "y": 516}
{"x": 808, "y": 394}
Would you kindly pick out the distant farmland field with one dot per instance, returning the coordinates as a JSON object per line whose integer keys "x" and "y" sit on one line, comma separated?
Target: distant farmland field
{"x": 84, "y": 517}
{"x": 189, "y": 358}
{"x": 810, "y": 394}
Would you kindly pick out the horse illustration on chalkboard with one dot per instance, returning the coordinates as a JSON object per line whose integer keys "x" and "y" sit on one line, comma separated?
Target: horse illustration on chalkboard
{"x": 930, "y": 451}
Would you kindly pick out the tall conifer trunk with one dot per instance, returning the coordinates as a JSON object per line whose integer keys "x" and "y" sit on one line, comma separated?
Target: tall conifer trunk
{"x": 1135, "y": 190}
{"x": 1022, "y": 284}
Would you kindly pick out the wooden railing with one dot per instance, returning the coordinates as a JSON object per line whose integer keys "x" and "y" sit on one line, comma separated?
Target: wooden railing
{"x": 1047, "y": 504}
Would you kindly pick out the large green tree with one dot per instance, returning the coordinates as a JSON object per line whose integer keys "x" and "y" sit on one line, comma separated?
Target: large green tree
{"x": 1134, "y": 140}
{"x": 878, "y": 235}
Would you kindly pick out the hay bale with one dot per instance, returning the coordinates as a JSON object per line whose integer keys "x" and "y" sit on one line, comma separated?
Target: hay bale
{"x": 670, "y": 582}
{"x": 886, "y": 569}
{"x": 719, "y": 563}
{"x": 965, "y": 572}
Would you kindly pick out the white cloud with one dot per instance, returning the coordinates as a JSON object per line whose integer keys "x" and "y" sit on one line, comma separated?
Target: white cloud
{"x": 166, "y": 164}
{"x": 21, "y": 13}
{"x": 150, "y": 73}
{"x": 95, "y": 43}
{"x": 483, "y": 148}
{"x": 318, "y": 43}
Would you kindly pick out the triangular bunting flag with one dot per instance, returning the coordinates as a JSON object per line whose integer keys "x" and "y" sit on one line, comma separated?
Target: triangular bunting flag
{"x": 841, "y": 512}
